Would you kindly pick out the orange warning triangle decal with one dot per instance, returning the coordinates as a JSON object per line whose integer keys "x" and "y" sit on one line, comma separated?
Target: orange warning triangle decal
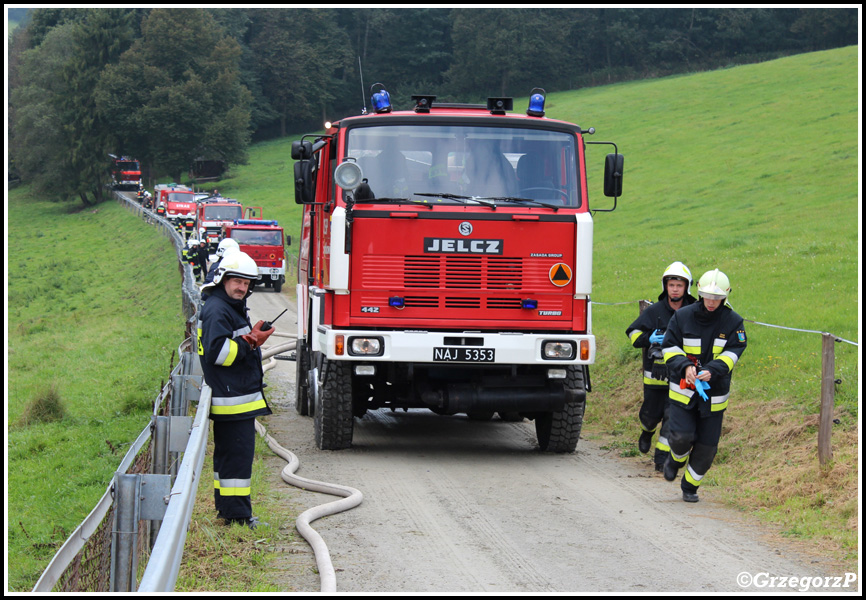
{"x": 560, "y": 274}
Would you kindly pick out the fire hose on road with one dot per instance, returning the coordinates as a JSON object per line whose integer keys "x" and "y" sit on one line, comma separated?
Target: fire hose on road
{"x": 351, "y": 496}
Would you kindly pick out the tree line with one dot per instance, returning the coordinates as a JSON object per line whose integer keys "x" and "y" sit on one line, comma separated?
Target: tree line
{"x": 169, "y": 86}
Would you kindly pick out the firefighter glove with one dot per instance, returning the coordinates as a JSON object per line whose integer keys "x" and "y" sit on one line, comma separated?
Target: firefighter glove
{"x": 657, "y": 336}
{"x": 257, "y": 337}
{"x": 702, "y": 387}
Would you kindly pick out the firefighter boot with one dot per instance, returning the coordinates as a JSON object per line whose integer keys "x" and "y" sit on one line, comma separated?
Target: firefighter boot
{"x": 671, "y": 468}
{"x": 690, "y": 496}
{"x": 644, "y": 442}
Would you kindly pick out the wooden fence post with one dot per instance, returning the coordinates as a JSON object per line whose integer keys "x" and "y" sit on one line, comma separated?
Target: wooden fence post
{"x": 828, "y": 393}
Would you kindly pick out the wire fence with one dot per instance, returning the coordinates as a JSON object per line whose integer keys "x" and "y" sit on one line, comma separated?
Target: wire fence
{"x": 836, "y": 337}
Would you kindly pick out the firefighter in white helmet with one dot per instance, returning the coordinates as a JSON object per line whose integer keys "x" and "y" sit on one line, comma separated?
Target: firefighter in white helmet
{"x": 646, "y": 333}
{"x": 701, "y": 346}
{"x": 225, "y": 246}
{"x": 231, "y": 360}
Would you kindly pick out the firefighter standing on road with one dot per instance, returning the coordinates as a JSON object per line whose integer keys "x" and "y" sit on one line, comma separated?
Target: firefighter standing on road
{"x": 702, "y": 344}
{"x": 647, "y": 332}
{"x": 201, "y": 259}
{"x": 231, "y": 361}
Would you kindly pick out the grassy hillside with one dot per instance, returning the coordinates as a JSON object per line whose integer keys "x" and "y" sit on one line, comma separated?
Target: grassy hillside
{"x": 94, "y": 313}
{"x": 752, "y": 170}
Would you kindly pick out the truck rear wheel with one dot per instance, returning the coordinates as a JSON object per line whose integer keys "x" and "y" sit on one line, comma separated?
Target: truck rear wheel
{"x": 560, "y": 431}
{"x": 333, "y": 420}
{"x": 278, "y": 285}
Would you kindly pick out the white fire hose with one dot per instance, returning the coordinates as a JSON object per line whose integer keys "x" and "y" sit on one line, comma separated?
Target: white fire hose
{"x": 351, "y": 496}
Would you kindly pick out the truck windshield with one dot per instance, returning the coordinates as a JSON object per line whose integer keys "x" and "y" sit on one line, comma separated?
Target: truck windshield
{"x": 257, "y": 237}
{"x": 180, "y": 197}
{"x": 127, "y": 166}
{"x": 454, "y": 161}
{"x": 222, "y": 213}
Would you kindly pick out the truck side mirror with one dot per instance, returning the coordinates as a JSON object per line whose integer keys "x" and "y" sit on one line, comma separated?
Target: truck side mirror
{"x": 302, "y": 150}
{"x": 613, "y": 165}
{"x": 305, "y": 181}
{"x": 288, "y": 241}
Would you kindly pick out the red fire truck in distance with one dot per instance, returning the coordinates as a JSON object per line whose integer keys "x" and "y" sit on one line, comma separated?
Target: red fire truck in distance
{"x": 446, "y": 263}
{"x": 125, "y": 173}
{"x": 264, "y": 242}
{"x": 213, "y": 214}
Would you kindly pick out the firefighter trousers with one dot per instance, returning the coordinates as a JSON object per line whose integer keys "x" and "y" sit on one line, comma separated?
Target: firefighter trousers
{"x": 694, "y": 438}
{"x": 653, "y": 411}
{"x": 234, "y": 449}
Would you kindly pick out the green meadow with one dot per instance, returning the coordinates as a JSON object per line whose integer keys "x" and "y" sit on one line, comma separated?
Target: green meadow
{"x": 752, "y": 170}
{"x": 94, "y": 313}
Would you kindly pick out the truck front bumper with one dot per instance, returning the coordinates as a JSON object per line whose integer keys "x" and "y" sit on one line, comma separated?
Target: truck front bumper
{"x": 469, "y": 347}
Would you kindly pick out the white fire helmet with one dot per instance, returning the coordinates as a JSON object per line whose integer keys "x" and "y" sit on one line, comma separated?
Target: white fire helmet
{"x": 225, "y": 245}
{"x": 714, "y": 285}
{"x": 236, "y": 264}
{"x": 679, "y": 271}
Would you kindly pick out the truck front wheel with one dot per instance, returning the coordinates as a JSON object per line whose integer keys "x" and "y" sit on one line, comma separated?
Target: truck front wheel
{"x": 559, "y": 431}
{"x": 333, "y": 419}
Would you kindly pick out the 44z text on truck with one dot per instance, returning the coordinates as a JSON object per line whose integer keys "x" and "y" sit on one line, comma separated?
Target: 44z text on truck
{"x": 446, "y": 264}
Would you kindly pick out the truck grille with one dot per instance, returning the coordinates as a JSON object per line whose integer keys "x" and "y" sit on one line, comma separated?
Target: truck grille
{"x": 443, "y": 272}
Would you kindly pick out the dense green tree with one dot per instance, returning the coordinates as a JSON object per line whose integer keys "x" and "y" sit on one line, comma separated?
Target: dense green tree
{"x": 507, "y": 51}
{"x": 36, "y": 137}
{"x": 408, "y": 51}
{"x": 99, "y": 39}
{"x": 176, "y": 93}
{"x": 302, "y": 56}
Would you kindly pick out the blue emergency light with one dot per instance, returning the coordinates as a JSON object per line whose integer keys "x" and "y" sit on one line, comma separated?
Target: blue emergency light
{"x": 254, "y": 222}
{"x": 396, "y": 302}
{"x": 536, "y": 103}
{"x": 529, "y": 303}
{"x": 381, "y": 100}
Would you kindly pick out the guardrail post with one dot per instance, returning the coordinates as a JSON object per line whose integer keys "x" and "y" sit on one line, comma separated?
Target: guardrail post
{"x": 124, "y": 533}
{"x": 159, "y": 459}
{"x": 828, "y": 398}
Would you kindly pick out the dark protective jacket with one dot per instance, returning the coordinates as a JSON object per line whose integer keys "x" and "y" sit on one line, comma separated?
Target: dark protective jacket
{"x": 231, "y": 367}
{"x": 654, "y": 317}
{"x": 713, "y": 341}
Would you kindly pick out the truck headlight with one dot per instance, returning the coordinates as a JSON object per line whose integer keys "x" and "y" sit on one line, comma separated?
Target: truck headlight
{"x": 557, "y": 350}
{"x": 366, "y": 346}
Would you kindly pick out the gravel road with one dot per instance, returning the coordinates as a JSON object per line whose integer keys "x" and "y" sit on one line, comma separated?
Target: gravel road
{"x": 453, "y": 505}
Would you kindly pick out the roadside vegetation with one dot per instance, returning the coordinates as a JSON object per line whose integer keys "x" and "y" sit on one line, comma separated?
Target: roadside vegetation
{"x": 751, "y": 169}
{"x": 94, "y": 314}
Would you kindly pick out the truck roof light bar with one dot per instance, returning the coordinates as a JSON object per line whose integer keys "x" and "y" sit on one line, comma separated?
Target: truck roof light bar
{"x": 254, "y": 222}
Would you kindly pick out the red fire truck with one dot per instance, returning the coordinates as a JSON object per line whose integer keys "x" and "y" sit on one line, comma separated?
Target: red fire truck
{"x": 264, "y": 242}
{"x": 213, "y": 214}
{"x": 446, "y": 263}
{"x": 178, "y": 204}
{"x": 125, "y": 173}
